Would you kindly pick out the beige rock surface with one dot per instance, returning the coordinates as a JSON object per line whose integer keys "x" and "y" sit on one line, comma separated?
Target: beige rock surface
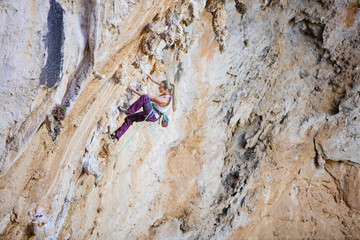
{"x": 263, "y": 144}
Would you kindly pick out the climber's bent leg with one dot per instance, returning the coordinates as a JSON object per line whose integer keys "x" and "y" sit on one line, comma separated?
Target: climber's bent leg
{"x": 143, "y": 101}
{"x": 137, "y": 117}
{"x": 125, "y": 126}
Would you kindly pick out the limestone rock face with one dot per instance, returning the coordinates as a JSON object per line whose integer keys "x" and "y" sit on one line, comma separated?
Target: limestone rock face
{"x": 263, "y": 142}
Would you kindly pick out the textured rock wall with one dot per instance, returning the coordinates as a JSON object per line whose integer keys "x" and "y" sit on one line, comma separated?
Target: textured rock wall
{"x": 264, "y": 141}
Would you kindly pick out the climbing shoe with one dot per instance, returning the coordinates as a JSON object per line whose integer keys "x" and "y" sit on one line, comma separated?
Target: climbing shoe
{"x": 123, "y": 110}
{"x": 114, "y": 137}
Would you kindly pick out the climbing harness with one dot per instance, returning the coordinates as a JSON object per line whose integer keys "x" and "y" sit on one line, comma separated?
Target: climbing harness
{"x": 102, "y": 173}
{"x": 163, "y": 119}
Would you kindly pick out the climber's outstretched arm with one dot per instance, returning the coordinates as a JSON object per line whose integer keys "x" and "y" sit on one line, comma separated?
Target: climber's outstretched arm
{"x": 135, "y": 91}
{"x": 159, "y": 100}
{"x": 153, "y": 80}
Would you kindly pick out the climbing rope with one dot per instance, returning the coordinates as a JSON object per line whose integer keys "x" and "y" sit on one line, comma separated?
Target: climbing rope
{"x": 103, "y": 172}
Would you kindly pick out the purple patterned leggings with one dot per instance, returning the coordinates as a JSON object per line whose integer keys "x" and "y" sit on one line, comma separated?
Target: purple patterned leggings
{"x": 146, "y": 104}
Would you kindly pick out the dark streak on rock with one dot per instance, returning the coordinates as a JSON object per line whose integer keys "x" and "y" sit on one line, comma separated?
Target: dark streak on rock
{"x": 51, "y": 74}
{"x": 179, "y": 73}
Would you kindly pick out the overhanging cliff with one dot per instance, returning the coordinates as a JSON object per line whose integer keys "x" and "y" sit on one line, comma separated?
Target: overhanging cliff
{"x": 264, "y": 141}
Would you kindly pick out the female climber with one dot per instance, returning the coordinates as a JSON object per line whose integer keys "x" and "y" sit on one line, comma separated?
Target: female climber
{"x": 157, "y": 105}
